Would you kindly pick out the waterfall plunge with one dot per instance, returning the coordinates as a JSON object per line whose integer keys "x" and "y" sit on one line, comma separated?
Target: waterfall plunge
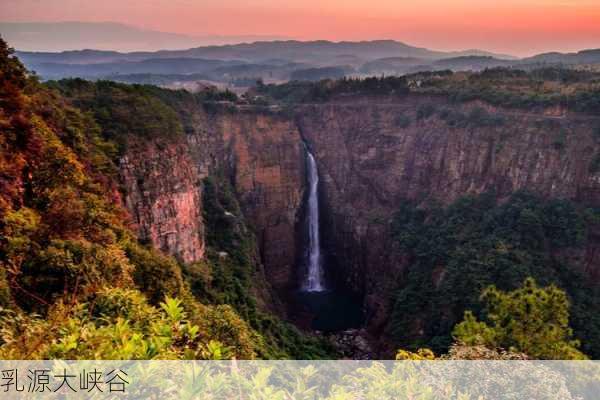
{"x": 314, "y": 278}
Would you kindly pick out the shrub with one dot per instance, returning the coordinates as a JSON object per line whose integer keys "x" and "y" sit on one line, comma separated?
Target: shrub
{"x": 154, "y": 273}
{"x": 453, "y": 118}
{"x": 222, "y": 324}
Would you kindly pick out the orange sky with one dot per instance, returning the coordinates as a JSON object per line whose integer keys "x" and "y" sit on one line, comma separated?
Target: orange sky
{"x": 519, "y": 27}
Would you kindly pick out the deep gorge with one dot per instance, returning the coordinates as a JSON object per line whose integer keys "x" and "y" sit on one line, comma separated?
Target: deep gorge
{"x": 372, "y": 154}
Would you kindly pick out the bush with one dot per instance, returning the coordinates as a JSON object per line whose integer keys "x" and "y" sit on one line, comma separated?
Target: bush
{"x": 112, "y": 304}
{"x": 154, "y": 274}
{"x": 222, "y": 324}
{"x": 453, "y": 118}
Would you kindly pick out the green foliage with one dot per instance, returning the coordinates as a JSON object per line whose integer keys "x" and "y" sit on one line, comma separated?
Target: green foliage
{"x": 529, "y": 319}
{"x": 115, "y": 324}
{"x": 154, "y": 274}
{"x": 453, "y": 118}
{"x": 475, "y": 333}
{"x": 121, "y": 109}
{"x": 507, "y": 87}
{"x": 400, "y": 381}
{"x": 211, "y": 93}
{"x": 75, "y": 267}
{"x": 504, "y": 87}
{"x": 456, "y": 252}
{"x": 111, "y": 304}
{"x": 222, "y": 324}
{"x": 309, "y": 92}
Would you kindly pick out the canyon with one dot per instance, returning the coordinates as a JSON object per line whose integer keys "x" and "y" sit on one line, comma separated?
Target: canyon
{"x": 371, "y": 214}
{"x": 372, "y": 152}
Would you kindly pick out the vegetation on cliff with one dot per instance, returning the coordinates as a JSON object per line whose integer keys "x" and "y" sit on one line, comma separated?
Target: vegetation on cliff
{"x": 234, "y": 276}
{"x": 527, "y": 323}
{"x": 316, "y": 92}
{"x": 505, "y": 87}
{"x": 458, "y": 251}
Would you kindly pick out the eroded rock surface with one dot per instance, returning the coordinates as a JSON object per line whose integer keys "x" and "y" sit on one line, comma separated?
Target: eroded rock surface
{"x": 163, "y": 195}
{"x": 372, "y": 154}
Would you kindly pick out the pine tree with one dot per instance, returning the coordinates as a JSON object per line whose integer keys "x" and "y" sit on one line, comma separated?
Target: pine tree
{"x": 530, "y": 319}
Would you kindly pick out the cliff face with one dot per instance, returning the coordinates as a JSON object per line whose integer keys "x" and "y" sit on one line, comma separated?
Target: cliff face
{"x": 163, "y": 195}
{"x": 262, "y": 155}
{"x": 267, "y": 170}
{"x": 371, "y": 156}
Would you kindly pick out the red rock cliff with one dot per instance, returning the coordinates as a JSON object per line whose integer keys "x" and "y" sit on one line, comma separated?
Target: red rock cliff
{"x": 163, "y": 195}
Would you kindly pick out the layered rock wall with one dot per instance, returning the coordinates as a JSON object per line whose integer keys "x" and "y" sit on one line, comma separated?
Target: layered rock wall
{"x": 263, "y": 156}
{"x": 163, "y": 195}
{"x": 372, "y": 153}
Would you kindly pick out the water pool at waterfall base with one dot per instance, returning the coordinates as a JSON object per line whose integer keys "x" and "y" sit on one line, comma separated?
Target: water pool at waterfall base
{"x": 329, "y": 310}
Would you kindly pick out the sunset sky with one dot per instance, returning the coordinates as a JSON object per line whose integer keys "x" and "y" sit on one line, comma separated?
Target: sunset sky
{"x": 520, "y": 27}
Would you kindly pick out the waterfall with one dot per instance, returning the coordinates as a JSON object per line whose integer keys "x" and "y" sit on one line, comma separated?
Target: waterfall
{"x": 314, "y": 278}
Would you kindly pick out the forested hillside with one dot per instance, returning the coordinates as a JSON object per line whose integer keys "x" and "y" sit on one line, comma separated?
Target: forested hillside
{"x": 75, "y": 281}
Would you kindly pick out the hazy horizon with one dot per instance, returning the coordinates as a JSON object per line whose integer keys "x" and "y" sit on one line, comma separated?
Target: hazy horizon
{"x": 517, "y": 27}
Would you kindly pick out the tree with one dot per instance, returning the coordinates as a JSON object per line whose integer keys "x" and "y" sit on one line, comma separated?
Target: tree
{"x": 530, "y": 319}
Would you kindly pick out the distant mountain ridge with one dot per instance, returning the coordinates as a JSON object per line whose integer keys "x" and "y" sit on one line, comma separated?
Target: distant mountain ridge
{"x": 75, "y": 35}
{"x": 246, "y": 62}
{"x": 273, "y": 61}
{"x": 183, "y": 66}
{"x": 590, "y": 56}
{"x": 298, "y": 51}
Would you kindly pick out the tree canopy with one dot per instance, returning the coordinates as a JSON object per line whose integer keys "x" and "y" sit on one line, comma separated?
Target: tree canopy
{"x": 529, "y": 319}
